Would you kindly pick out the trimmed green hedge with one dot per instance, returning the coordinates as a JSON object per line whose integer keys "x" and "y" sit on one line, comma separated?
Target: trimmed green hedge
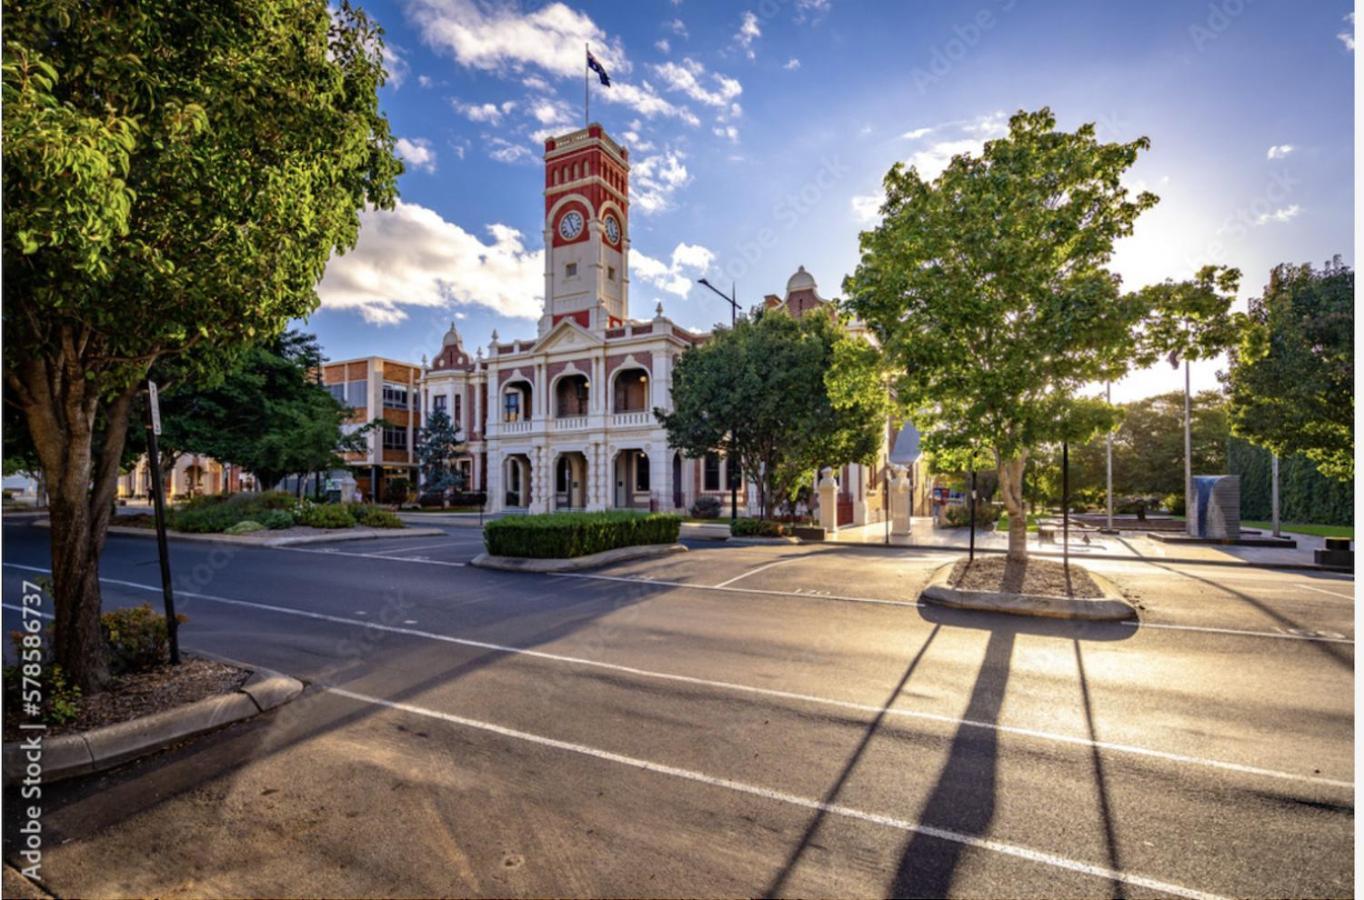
{"x": 758, "y": 528}
{"x": 565, "y": 535}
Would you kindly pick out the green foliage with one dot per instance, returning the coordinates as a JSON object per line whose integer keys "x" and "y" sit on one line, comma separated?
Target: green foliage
{"x": 375, "y": 516}
{"x": 1291, "y": 379}
{"x": 1305, "y": 494}
{"x": 438, "y": 444}
{"x": 245, "y": 526}
{"x": 60, "y": 698}
{"x": 759, "y": 528}
{"x": 275, "y": 519}
{"x": 396, "y": 490}
{"x": 137, "y": 638}
{"x": 205, "y": 519}
{"x": 1174, "y": 504}
{"x": 326, "y": 515}
{"x": 707, "y": 506}
{"x": 566, "y": 535}
{"x": 987, "y": 515}
{"x": 782, "y": 396}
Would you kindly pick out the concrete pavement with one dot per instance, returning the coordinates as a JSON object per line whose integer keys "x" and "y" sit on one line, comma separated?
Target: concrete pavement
{"x": 734, "y": 720}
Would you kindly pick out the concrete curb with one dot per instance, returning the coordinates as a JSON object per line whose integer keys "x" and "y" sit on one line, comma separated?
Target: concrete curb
{"x": 697, "y": 532}
{"x": 257, "y": 539}
{"x": 68, "y": 755}
{"x": 1110, "y": 608}
{"x": 592, "y": 560}
{"x": 757, "y": 539}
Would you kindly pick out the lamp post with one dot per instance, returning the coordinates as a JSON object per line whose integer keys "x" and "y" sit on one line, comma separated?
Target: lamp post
{"x": 733, "y": 320}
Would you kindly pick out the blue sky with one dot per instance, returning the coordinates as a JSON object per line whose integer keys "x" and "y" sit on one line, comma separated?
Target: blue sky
{"x": 759, "y": 133}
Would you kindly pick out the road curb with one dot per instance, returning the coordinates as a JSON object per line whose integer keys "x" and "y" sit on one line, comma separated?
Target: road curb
{"x": 576, "y": 563}
{"x": 68, "y": 755}
{"x": 766, "y": 540}
{"x": 1110, "y": 608}
{"x": 251, "y": 540}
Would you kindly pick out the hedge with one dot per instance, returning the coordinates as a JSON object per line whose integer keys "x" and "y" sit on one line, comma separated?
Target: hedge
{"x": 758, "y": 528}
{"x": 565, "y": 535}
{"x": 1305, "y": 495}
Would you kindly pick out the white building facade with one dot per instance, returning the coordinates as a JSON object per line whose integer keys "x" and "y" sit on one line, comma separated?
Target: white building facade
{"x": 566, "y": 421}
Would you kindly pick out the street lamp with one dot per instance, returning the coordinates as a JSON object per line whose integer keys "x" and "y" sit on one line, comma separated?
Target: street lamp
{"x": 733, "y": 320}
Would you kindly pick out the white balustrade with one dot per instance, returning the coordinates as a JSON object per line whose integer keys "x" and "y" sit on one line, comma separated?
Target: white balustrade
{"x": 632, "y": 419}
{"x": 570, "y": 423}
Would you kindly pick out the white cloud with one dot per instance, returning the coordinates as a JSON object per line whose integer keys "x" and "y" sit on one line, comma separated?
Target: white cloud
{"x": 748, "y": 32}
{"x": 662, "y": 46}
{"x": 1348, "y": 37}
{"x": 550, "y": 112}
{"x": 811, "y": 9}
{"x": 636, "y": 143}
{"x": 1279, "y": 215}
{"x": 643, "y": 99}
{"x": 917, "y": 133}
{"x": 677, "y": 27}
{"x": 932, "y": 159}
{"x": 686, "y": 78}
{"x": 654, "y": 180}
{"x": 417, "y": 153}
{"x": 866, "y": 208}
{"x": 536, "y": 83}
{"x": 491, "y": 113}
{"x": 424, "y": 81}
{"x": 411, "y": 257}
{"x": 792, "y": 64}
{"x": 1279, "y": 151}
{"x": 727, "y": 131}
{"x": 394, "y": 65}
{"x": 505, "y": 151}
{"x": 688, "y": 262}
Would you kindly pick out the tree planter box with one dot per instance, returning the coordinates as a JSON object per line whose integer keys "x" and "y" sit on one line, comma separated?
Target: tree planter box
{"x": 809, "y": 532}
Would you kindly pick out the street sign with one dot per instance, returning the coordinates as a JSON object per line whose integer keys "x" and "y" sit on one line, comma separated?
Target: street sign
{"x": 156, "y": 407}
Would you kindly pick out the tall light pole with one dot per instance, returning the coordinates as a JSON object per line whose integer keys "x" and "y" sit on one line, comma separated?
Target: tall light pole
{"x": 1108, "y": 396}
{"x": 733, "y": 320}
{"x": 1190, "y": 519}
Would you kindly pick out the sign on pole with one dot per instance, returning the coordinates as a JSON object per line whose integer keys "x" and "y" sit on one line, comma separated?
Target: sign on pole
{"x": 154, "y": 401}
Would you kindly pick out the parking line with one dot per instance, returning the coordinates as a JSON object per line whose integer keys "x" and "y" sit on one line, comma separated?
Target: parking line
{"x": 1006, "y": 849}
{"x": 1309, "y": 587}
{"x": 779, "y": 562}
{"x": 898, "y": 712}
{"x": 427, "y": 562}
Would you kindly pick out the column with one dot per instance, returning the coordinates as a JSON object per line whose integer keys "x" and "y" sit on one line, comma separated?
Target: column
{"x": 660, "y": 476}
{"x": 497, "y": 495}
{"x": 828, "y": 501}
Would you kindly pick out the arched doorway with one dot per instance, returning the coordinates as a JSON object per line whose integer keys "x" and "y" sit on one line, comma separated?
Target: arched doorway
{"x": 631, "y": 479}
{"x": 516, "y": 481}
{"x": 570, "y": 481}
{"x": 631, "y": 391}
{"x": 571, "y": 396}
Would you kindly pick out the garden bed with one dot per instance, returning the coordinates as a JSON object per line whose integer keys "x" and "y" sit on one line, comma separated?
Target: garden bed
{"x": 1036, "y": 576}
{"x": 1038, "y": 587}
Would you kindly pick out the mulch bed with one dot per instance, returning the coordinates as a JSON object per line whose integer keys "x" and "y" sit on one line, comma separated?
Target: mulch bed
{"x": 131, "y": 696}
{"x": 1036, "y": 576}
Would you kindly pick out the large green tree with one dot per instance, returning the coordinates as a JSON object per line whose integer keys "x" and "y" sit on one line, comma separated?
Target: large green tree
{"x": 1291, "y": 379}
{"x": 176, "y": 175}
{"x": 783, "y": 396}
{"x": 989, "y": 290}
{"x": 438, "y": 444}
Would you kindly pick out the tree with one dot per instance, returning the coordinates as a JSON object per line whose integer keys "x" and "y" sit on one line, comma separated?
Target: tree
{"x": 268, "y": 414}
{"x": 437, "y": 446}
{"x": 781, "y": 395}
{"x": 987, "y": 287}
{"x": 176, "y": 176}
{"x": 1291, "y": 379}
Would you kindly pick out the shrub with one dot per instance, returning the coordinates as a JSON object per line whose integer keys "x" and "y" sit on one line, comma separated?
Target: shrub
{"x": 326, "y": 515}
{"x": 137, "y": 639}
{"x": 395, "y": 491}
{"x": 375, "y": 516}
{"x": 759, "y": 528}
{"x": 205, "y": 518}
{"x": 245, "y": 526}
{"x": 275, "y": 519}
{"x": 706, "y": 507}
{"x": 1173, "y": 504}
{"x": 564, "y": 535}
{"x": 431, "y": 498}
{"x": 956, "y": 515}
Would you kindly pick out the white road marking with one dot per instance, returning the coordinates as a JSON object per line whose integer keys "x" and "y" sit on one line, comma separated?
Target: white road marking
{"x": 332, "y": 552}
{"x": 32, "y": 612}
{"x": 1241, "y": 632}
{"x": 779, "y": 562}
{"x": 1308, "y": 587}
{"x": 424, "y": 547}
{"x": 943, "y": 834}
{"x": 761, "y": 691}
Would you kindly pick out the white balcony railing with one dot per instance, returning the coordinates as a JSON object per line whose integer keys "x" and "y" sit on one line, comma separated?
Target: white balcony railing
{"x": 570, "y": 423}
{"x": 632, "y": 419}
{"x": 520, "y": 427}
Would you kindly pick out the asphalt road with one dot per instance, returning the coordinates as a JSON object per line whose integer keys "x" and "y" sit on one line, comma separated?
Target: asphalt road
{"x": 730, "y": 721}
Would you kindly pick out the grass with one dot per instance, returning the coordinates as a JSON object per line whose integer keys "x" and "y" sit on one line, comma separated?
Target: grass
{"x": 1342, "y": 531}
{"x": 1003, "y": 525}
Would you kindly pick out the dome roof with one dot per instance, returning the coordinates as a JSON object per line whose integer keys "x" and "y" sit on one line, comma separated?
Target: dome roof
{"x": 801, "y": 281}
{"x": 451, "y": 337}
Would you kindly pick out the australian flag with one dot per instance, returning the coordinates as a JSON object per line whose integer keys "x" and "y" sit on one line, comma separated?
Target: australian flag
{"x": 599, "y": 69}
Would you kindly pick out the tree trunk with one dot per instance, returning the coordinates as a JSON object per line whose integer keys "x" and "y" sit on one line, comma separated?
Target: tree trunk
{"x": 61, "y": 408}
{"x": 1011, "y": 486}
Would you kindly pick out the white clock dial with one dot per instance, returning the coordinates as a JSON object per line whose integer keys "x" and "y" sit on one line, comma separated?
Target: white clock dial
{"x": 612, "y": 229}
{"x": 571, "y": 225}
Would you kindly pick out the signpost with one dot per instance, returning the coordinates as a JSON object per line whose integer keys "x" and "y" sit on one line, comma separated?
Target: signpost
{"x": 159, "y": 502}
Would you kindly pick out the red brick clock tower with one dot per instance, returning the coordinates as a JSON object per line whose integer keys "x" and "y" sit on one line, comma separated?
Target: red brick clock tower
{"x": 587, "y": 230}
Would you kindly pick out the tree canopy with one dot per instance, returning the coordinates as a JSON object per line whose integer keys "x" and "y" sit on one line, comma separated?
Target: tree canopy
{"x": 1291, "y": 379}
{"x": 177, "y": 173}
{"x": 782, "y": 395}
{"x": 437, "y": 445}
{"x": 989, "y": 291}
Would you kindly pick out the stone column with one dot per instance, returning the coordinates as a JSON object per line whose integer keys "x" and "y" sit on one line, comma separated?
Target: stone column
{"x": 899, "y": 502}
{"x": 660, "y": 476}
{"x": 828, "y": 500}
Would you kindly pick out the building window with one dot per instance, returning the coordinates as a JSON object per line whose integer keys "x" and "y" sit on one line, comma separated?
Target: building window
{"x": 561, "y": 476}
{"x": 395, "y": 396}
{"x": 641, "y": 472}
{"x": 355, "y": 394}
{"x": 571, "y": 270}
{"x": 338, "y": 392}
{"x": 511, "y": 406}
{"x": 455, "y": 416}
{"x": 610, "y": 273}
{"x": 732, "y": 473}
{"x": 712, "y": 472}
{"x": 438, "y": 403}
{"x": 395, "y": 438}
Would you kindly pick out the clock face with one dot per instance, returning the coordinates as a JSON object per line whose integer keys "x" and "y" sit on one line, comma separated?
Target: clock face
{"x": 571, "y": 225}
{"x": 612, "y": 229}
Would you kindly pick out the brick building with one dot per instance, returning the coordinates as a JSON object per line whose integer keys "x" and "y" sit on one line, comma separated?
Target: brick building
{"x": 375, "y": 388}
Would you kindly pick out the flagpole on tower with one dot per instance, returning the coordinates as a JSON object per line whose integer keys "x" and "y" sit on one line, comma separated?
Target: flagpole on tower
{"x": 587, "y": 87}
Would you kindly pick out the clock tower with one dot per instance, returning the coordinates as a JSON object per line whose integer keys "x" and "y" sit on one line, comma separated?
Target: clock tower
{"x": 587, "y": 230}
